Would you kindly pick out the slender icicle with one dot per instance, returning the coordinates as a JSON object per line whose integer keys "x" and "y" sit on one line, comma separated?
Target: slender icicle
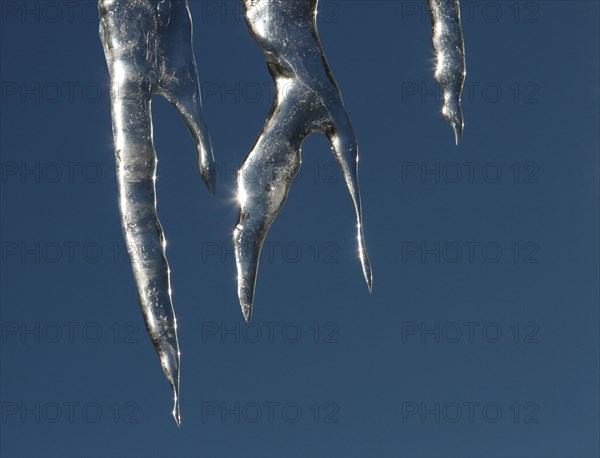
{"x": 450, "y": 55}
{"x": 148, "y": 48}
{"x": 307, "y": 100}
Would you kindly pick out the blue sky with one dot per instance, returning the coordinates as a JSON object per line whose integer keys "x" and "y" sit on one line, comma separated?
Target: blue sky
{"x": 481, "y": 335}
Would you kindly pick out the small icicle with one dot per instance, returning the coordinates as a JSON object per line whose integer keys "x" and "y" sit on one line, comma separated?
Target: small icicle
{"x": 450, "y": 59}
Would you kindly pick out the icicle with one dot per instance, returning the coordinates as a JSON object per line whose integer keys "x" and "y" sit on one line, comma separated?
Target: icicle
{"x": 450, "y": 54}
{"x": 148, "y": 48}
{"x": 307, "y": 100}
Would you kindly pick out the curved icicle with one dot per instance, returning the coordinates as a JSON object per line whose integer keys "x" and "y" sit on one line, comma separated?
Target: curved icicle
{"x": 450, "y": 58}
{"x": 307, "y": 100}
{"x": 148, "y": 48}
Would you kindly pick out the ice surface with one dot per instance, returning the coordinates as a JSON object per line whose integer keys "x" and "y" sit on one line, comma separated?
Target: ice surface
{"x": 307, "y": 100}
{"x": 148, "y": 48}
{"x": 450, "y": 58}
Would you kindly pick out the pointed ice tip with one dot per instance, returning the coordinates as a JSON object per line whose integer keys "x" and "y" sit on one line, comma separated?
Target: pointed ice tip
{"x": 368, "y": 274}
{"x": 209, "y": 179}
{"x": 247, "y": 312}
{"x": 177, "y": 413}
{"x": 458, "y": 130}
{"x": 368, "y": 277}
{"x": 455, "y": 120}
{"x": 453, "y": 114}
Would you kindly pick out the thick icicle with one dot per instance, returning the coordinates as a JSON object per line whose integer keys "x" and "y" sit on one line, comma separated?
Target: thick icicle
{"x": 148, "y": 48}
{"x": 307, "y": 100}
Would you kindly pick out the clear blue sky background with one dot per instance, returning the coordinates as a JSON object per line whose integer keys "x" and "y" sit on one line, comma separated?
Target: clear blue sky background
{"x": 395, "y": 373}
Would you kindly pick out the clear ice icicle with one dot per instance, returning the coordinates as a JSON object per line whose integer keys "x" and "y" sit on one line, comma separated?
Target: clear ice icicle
{"x": 307, "y": 100}
{"x": 450, "y": 58}
{"x": 148, "y": 48}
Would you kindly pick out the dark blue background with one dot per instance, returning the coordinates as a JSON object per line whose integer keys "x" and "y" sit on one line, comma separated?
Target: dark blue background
{"x": 533, "y": 75}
